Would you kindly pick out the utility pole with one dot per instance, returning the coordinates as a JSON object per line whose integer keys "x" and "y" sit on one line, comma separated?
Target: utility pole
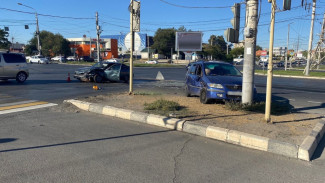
{"x": 250, "y": 52}
{"x": 98, "y": 36}
{"x": 321, "y": 43}
{"x": 132, "y": 47}
{"x": 270, "y": 67}
{"x": 310, "y": 45}
{"x": 286, "y": 59}
{"x": 148, "y": 47}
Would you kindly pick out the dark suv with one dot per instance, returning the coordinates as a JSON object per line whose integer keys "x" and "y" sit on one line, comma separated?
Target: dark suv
{"x": 86, "y": 59}
{"x": 13, "y": 66}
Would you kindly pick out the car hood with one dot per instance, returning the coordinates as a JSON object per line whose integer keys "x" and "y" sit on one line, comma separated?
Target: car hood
{"x": 235, "y": 80}
{"x": 83, "y": 70}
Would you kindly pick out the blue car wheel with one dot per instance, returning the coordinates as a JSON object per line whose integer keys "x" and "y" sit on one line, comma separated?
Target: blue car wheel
{"x": 203, "y": 97}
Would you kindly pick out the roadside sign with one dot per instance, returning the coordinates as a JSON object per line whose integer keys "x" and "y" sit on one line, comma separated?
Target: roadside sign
{"x": 263, "y": 53}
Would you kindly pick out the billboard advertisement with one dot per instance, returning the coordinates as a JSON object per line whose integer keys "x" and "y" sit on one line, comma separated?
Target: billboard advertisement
{"x": 188, "y": 41}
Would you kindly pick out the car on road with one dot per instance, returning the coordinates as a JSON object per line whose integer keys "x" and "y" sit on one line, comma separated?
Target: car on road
{"x": 104, "y": 71}
{"x": 213, "y": 80}
{"x": 151, "y": 62}
{"x": 112, "y": 60}
{"x": 59, "y": 58}
{"x": 39, "y": 59}
{"x": 71, "y": 58}
{"x": 86, "y": 59}
{"x": 13, "y": 66}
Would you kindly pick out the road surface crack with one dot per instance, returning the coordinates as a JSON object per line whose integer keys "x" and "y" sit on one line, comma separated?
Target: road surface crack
{"x": 177, "y": 156}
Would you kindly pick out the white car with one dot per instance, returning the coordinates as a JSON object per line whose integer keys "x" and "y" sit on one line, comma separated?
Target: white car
{"x": 58, "y": 58}
{"x": 71, "y": 58}
{"x": 152, "y": 62}
{"x": 112, "y": 60}
{"x": 39, "y": 59}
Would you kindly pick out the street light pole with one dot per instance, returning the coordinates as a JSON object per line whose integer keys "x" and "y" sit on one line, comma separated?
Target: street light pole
{"x": 37, "y": 28}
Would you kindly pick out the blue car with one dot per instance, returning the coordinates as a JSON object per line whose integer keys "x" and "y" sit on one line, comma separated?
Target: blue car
{"x": 213, "y": 80}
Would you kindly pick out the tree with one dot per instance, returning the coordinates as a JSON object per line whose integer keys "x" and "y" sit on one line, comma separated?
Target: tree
{"x": 258, "y": 48}
{"x": 164, "y": 41}
{"x": 51, "y": 44}
{"x": 4, "y": 43}
{"x": 237, "y": 52}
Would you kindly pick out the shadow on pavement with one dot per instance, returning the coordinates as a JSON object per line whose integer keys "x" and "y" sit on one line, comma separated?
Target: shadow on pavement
{"x": 6, "y": 140}
{"x": 83, "y": 141}
{"x": 319, "y": 150}
{"x": 310, "y": 108}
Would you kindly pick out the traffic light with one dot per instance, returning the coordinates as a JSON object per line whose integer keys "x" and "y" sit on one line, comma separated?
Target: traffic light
{"x": 231, "y": 35}
{"x": 286, "y": 4}
{"x": 236, "y": 20}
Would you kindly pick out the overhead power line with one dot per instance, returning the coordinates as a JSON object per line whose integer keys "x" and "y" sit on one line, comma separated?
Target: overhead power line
{"x": 45, "y": 15}
{"x": 194, "y": 7}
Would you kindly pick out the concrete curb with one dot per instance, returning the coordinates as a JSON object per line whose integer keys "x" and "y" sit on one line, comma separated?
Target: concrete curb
{"x": 309, "y": 145}
{"x": 303, "y": 152}
{"x": 285, "y": 76}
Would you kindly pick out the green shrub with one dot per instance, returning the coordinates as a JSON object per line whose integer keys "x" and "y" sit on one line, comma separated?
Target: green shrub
{"x": 162, "y": 105}
{"x": 277, "y": 108}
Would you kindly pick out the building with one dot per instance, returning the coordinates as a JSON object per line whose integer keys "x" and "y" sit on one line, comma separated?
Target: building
{"x": 141, "y": 42}
{"x": 87, "y": 47}
{"x": 17, "y": 48}
{"x": 279, "y": 51}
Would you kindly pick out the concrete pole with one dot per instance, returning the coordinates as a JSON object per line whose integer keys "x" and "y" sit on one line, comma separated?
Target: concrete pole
{"x": 270, "y": 67}
{"x": 286, "y": 59}
{"x": 250, "y": 53}
{"x": 132, "y": 48}
{"x": 311, "y": 34}
{"x": 98, "y": 35}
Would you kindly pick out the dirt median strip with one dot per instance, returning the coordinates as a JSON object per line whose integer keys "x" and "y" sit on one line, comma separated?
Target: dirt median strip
{"x": 303, "y": 152}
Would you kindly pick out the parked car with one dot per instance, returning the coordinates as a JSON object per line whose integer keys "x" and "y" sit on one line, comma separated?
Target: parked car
{"x": 213, "y": 80}
{"x": 13, "y": 66}
{"x": 112, "y": 60}
{"x": 86, "y": 59}
{"x": 58, "y": 58}
{"x": 39, "y": 59}
{"x": 104, "y": 71}
{"x": 263, "y": 63}
{"x": 71, "y": 58}
{"x": 279, "y": 64}
{"x": 151, "y": 62}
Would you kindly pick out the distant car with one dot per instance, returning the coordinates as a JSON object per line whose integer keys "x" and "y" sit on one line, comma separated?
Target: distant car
{"x": 112, "y": 60}
{"x": 104, "y": 71}
{"x": 39, "y": 59}
{"x": 263, "y": 63}
{"x": 86, "y": 59}
{"x": 71, "y": 58}
{"x": 213, "y": 80}
{"x": 58, "y": 58}
{"x": 151, "y": 62}
{"x": 13, "y": 66}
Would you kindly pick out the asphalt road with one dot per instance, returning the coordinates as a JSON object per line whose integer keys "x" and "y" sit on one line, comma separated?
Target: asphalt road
{"x": 57, "y": 146}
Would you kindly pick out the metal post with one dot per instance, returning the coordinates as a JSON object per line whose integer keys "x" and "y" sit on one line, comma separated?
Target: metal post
{"x": 270, "y": 67}
{"x": 132, "y": 47}
{"x": 286, "y": 60}
{"x": 227, "y": 49}
{"x": 250, "y": 53}
{"x": 98, "y": 35}
{"x": 310, "y": 45}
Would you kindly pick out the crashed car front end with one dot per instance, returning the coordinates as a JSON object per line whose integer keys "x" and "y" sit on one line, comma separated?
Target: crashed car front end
{"x": 82, "y": 74}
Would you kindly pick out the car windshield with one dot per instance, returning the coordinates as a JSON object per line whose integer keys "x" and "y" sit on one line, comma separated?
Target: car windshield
{"x": 99, "y": 65}
{"x": 220, "y": 69}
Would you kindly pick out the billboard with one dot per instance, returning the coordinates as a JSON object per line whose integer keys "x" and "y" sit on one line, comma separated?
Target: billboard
{"x": 188, "y": 41}
{"x": 263, "y": 53}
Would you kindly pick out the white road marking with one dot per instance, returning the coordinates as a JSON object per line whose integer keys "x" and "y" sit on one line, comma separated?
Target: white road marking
{"x": 315, "y": 102}
{"x": 292, "y": 99}
{"x": 27, "y": 108}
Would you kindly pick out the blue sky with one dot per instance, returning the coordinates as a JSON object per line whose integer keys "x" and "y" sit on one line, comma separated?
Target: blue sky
{"x": 114, "y": 18}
